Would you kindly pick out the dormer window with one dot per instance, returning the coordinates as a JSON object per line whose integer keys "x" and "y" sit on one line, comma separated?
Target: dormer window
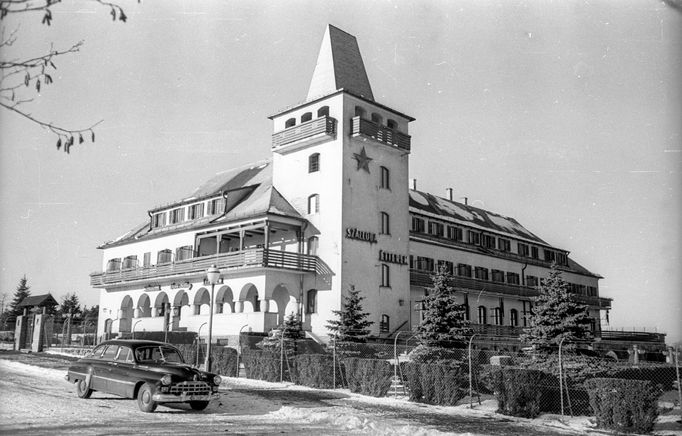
{"x": 196, "y": 211}
{"x": 306, "y": 117}
{"x": 291, "y": 122}
{"x": 216, "y": 206}
{"x": 176, "y": 215}
{"x": 159, "y": 220}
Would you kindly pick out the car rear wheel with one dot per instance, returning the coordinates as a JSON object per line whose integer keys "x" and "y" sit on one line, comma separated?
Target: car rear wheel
{"x": 83, "y": 389}
{"x": 198, "y": 405}
{"x": 144, "y": 399}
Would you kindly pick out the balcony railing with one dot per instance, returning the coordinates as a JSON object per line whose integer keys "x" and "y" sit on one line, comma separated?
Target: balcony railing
{"x": 423, "y": 278}
{"x": 379, "y": 133}
{"x": 318, "y": 128}
{"x": 224, "y": 261}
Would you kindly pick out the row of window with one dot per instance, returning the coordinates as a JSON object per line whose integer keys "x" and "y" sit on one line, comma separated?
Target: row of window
{"x": 376, "y": 118}
{"x": 162, "y": 257}
{"x": 321, "y": 112}
{"x": 485, "y": 240}
{"x": 385, "y": 174}
{"x": 189, "y": 213}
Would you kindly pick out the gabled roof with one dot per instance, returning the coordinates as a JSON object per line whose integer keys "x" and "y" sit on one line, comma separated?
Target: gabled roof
{"x": 44, "y": 300}
{"x": 249, "y": 194}
{"x": 469, "y": 215}
{"x": 339, "y": 66}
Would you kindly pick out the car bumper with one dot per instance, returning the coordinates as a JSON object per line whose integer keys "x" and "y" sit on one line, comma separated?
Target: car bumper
{"x": 183, "y": 398}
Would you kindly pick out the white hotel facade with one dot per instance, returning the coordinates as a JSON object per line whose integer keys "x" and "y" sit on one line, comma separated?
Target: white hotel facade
{"x": 331, "y": 209}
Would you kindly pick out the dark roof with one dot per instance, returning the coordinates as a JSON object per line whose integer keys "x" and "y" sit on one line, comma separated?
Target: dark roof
{"x": 38, "y": 300}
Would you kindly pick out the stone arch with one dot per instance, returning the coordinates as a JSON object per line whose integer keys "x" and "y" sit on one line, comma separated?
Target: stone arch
{"x": 107, "y": 328}
{"x": 202, "y": 301}
{"x": 283, "y": 302}
{"x": 181, "y": 300}
{"x": 160, "y": 303}
{"x": 144, "y": 308}
{"x": 125, "y": 314}
{"x": 249, "y": 298}
{"x": 224, "y": 300}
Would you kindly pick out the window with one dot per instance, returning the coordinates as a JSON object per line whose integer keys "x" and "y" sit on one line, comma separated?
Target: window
{"x": 385, "y": 178}
{"x": 185, "y": 252}
{"x": 164, "y": 256}
{"x": 376, "y": 118}
{"x": 359, "y": 112}
{"x": 323, "y": 111}
{"x": 391, "y": 124}
{"x": 196, "y": 211}
{"x": 311, "y": 301}
{"x": 481, "y": 273}
{"x": 114, "y": 264}
{"x": 550, "y": 256}
{"x": 497, "y": 316}
{"x": 291, "y": 122}
{"x": 159, "y": 220}
{"x": 435, "y": 228}
{"x": 314, "y": 203}
{"x": 534, "y": 253}
{"x": 513, "y": 278}
{"x": 527, "y": 311}
{"x": 454, "y": 233}
{"x": 306, "y": 117}
{"x": 216, "y": 206}
{"x": 523, "y": 249}
{"x": 385, "y": 221}
{"x": 482, "y": 316}
{"x": 313, "y": 242}
{"x": 514, "y": 318}
{"x": 130, "y": 262}
{"x": 110, "y": 352}
{"x": 425, "y": 263}
{"x": 591, "y": 291}
{"x": 449, "y": 266}
{"x": 487, "y": 241}
{"x": 176, "y": 215}
{"x": 561, "y": 259}
{"x": 467, "y": 315}
{"x": 474, "y": 237}
{"x": 314, "y": 163}
{"x": 418, "y": 225}
{"x": 504, "y": 244}
{"x": 147, "y": 261}
{"x": 498, "y": 276}
{"x": 385, "y": 275}
{"x": 385, "y": 324}
{"x": 463, "y": 270}
{"x": 531, "y": 281}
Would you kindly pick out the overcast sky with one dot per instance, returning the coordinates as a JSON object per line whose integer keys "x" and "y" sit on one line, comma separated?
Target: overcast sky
{"x": 564, "y": 115}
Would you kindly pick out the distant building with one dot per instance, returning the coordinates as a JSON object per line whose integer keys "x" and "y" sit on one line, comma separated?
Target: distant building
{"x": 332, "y": 208}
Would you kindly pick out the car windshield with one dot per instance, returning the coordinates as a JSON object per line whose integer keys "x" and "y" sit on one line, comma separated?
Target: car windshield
{"x": 157, "y": 354}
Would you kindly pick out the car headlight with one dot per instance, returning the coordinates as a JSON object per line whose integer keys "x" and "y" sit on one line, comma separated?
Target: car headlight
{"x": 166, "y": 379}
{"x": 217, "y": 380}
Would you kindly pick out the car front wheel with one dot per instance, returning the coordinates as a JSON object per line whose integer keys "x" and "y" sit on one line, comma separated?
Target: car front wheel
{"x": 198, "y": 405}
{"x": 144, "y": 399}
{"x": 82, "y": 389}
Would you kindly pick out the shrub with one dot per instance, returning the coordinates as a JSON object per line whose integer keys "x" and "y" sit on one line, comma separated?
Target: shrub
{"x": 520, "y": 391}
{"x": 623, "y": 405}
{"x": 368, "y": 376}
{"x": 436, "y": 383}
{"x": 224, "y": 361}
{"x": 660, "y": 375}
{"x": 315, "y": 371}
{"x": 262, "y": 365}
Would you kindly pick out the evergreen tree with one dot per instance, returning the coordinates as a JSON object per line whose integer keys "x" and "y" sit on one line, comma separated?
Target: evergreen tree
{"x": 556, "y": 316}
{"x": 352, "y": 324}
{"x": 22, "y": 291}
{"x": 70, "y": 304}
{"x": 444, "y": 321}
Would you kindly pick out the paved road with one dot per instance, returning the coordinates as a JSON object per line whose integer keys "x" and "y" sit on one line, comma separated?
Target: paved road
{"x": 37, "y": 400}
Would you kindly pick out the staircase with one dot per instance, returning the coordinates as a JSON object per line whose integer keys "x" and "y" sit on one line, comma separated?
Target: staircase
{"x": 397, "y": 389}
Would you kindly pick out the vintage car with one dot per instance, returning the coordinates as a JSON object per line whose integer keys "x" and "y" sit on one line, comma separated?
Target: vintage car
{"x": 152, "y": 372}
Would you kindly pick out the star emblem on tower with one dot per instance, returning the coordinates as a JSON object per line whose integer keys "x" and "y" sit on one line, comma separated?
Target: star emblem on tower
{"x": 363, "y": 160}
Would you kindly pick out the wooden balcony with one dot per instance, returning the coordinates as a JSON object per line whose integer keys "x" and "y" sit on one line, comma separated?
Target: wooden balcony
{"x": 306, "y": 133}
{"x": 226, "y": 262}
{"x": 370, "y": 129}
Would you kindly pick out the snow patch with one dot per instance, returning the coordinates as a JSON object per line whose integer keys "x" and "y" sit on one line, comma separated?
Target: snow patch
{"x": 419, "y": 198}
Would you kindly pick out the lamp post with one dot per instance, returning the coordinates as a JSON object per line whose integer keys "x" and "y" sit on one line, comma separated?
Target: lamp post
{"x": 212, "y": 274}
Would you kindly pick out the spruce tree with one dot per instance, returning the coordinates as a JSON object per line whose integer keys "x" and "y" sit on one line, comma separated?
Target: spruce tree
{"x": 22, "y": 291}
{"x": 351, "y": 324}
{"x": 444, "y": 323}
{"x": 555, "y": 316}
{"x": 70, "y": 304}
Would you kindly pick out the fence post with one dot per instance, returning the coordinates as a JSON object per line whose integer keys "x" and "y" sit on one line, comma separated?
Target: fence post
{"x": 395, "y": 363}
{"x": 677, "y": 371}
{"x": 561, "y": 383}
{"x": 471, "y": 388}
{"x": 281, "y": 357}
{"x": 334, "y": 362}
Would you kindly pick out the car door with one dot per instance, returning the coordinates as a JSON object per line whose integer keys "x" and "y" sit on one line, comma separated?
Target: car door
{"x": 121, "y": 379}
{"x": 103, "y": 369}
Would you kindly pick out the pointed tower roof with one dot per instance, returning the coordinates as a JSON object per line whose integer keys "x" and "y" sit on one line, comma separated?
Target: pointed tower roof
{"x": 339, "y": 66}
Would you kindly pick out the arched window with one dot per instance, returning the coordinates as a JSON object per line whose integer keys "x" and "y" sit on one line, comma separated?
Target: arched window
{"x": 323, "y": 111}
{"x": 314, "y": 203}
{"x": 514, "y": 318}
{"x": 291, "y": 122}
{"x": 377, "y": 118}
{"x": 314, "y": 163}
{"x": 385, "y": 275}
{"x": 311, "y": 301}
{"x": 385, "y": 182}
{"x": 391, "y": 124}
{"x": 385, "y": 324}
{"x": 482, "y": 315}
{"x": 385, "y": 228}
{"x": 359, "y": 112}
{"x": 313, "y": 242}
{"x": 306, "y": 117}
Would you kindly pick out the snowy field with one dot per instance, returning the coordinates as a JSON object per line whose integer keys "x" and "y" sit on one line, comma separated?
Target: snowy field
{"x": 37, "y": 400}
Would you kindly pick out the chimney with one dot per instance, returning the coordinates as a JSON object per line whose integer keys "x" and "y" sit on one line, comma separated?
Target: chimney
{"x": 448, "y": 193}
{"x": 466, "y": 200}
{"x": 413, "y": 184}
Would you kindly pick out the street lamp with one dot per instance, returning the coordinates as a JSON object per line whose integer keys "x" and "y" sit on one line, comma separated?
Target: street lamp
{"x": 212, "y": 275}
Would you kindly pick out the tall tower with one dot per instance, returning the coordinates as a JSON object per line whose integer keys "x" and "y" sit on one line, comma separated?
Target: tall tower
{"x": 341, "y": 159}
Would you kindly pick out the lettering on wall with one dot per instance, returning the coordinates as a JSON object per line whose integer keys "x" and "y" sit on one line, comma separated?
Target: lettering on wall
{"x": 361, "y": 235}
{"x": 385, "y": 256}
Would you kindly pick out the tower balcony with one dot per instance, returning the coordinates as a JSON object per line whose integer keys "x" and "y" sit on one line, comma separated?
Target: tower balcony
{"x": 304, "y": 134}
{"x": 369, "y": 129}
{"x": 196, "y": 267}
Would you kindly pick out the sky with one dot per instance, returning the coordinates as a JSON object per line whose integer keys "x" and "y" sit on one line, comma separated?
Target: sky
{"x": 564, "y": 115}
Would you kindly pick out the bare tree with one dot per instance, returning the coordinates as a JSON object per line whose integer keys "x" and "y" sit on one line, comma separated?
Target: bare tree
{"x": 22, "y": 78}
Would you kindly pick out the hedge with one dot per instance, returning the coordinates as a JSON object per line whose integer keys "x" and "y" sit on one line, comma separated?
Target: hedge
{"x": 224, "y": 359}
{"x": 262, "y": 365}
{"x": 368, "y": 376}
{"x": 623, "y": 405}
{"x": 521, "y": 392}
{"x": 435, "y": 383}
{"x": 315, "y": 371}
